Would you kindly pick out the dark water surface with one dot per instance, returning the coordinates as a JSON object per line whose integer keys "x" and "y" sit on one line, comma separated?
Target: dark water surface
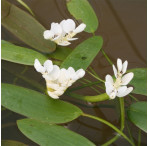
{"x": 123, "y": 28}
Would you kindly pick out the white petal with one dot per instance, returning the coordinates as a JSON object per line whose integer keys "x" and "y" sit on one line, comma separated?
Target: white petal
{"x": 69, "y": 25}
{"x": 72, "y": 39}
{"x": 119, "y": 64}
{"x": 115, "y": 71}
{"x": 109, "y": 78}
{"x": 64, "y": 43}
{"x": 72, "y": 73}
{"x": 80, "y": 28}
{"x": 71, "y": 69}
{"x": 121, "y": 90}
{"x": 80, "y": 73}
{"x": 128, "y": 90}
{"x": 52, "y": 95}
{"x": 38, "y": 66}
{"x": 53, "y": 86}
{"x": 64, "y": 76}
{"x": 56, "y": 28}
{"x": 48, "y": 66}
{"x": 47, "y": 77}
{"x": 113, "y": 94}
{"x": 59, "y": 92}
{"x": 109, "y": 87}
{"x": 127, "y": 78}
{"x": 124, "y": 67}
{"x": 54, "y": 74}
{"x": 48, "y": 34}
{"x": 62, "y": 23}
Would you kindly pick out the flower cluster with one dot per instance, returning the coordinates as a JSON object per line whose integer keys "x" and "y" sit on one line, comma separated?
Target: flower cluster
{"x": 118, "y": 87}
{"x": 57, "y": 80}
{"x": 64, "y": 32}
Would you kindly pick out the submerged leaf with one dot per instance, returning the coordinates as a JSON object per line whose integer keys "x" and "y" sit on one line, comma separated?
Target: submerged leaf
{"x": 82, "y": 10}
{"x": 25, "y": 27}
{"x": 137, "y": 113}
{"x": 12, "y": 143}
{"x": 48, "y": 134}
{"x": 38, "y": 106}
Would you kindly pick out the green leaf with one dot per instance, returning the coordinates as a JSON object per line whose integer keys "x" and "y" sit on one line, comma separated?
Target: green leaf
{"x": 12, "y": 143}
{"x": 139, "y": 81}
{"x": 60, "y": 53}
{"x": 21, "y": 55}
{"x": 83, "y": 54}
{"x": 137, "y": 113}
{"x": 25, "y": 27}
{"x": 35, "y": 105}
{"x": 47, "y": 134}
{"x": 82, "y": 10}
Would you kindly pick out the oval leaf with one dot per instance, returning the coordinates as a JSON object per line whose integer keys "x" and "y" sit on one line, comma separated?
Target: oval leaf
{"x": 137, "y": 113}
{"x": 12, "y": 143}
{"x": 35, "y": 105}
{"x": 83, "y": 54}
{"x": 81, "y": 9}
{"x": 60, "y": 53}
{"x": 139, "y": 81}
{"x": 25, "y": 27}
{"x": 21, "y": 55}
{"x": 47, "y": 134}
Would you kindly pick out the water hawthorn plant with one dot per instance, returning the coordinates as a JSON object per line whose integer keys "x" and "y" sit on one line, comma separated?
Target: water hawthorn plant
{"x": 61, "y": 67}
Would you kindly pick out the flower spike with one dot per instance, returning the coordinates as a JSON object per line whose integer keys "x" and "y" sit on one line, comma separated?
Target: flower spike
{"x": 57, "y": 80}
{"x": 64, "y": 32}
{"x": 118, "y": 87}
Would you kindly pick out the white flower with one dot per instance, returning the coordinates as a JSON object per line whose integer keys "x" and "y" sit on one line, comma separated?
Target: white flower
{"x": 118, "y": 87}
{"x": 57, "y": 80}
{"x": 64, "y": 32}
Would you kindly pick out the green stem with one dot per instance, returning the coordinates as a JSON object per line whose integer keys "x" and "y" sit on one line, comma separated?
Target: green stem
{"x": 101, "y": 87}
{"x": 133, "y": 97}
{"x": 107, "y": 58}
{"x": 84, "y": 85}
{"x": 97, "y": 91}
{"x": 129, "y": 131}
{"x": 96, "y": 98}
{"x": 122, "y": 116}
{"x": 92, "y": 99}
{"x": 93, "y": 71}
{"x": 96, "y": 77}
{"x": 110, "y": 125}
{"x": 23, "y": 71}
{"x": 26, "y": 6}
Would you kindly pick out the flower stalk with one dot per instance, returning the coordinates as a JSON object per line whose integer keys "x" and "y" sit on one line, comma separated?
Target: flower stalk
{"x": 110, "y": 125}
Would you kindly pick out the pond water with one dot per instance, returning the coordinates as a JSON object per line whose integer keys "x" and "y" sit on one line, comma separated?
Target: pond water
{"x": 123, "y": 28}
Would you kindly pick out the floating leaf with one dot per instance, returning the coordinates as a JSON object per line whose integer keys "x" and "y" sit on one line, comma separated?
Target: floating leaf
{"x": 139, "y": 81}
{"x": 12, "y": 143}
{"x": 137, "y": 113}
{"x": 37, "y": 106}
{"x": 83, "y": 54}
{"x": 21, "y": 55}
{"x": 60, "y": 53}
{"x": 48, "y": 134}
{"x": 82, "y": 10}
{"x": 25, "y": 27}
